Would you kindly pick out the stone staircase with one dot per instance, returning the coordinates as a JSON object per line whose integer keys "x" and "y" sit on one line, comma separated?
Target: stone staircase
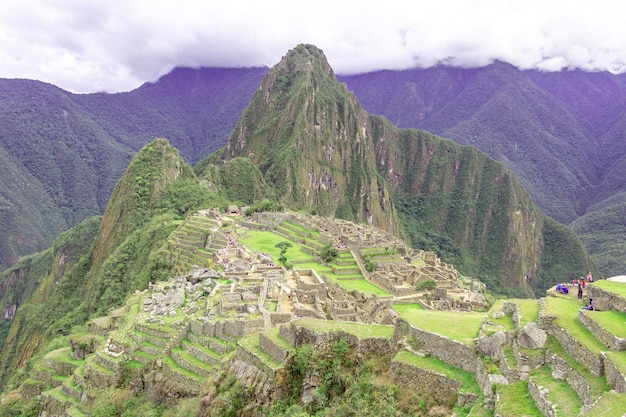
{"x": 186, "y": 247}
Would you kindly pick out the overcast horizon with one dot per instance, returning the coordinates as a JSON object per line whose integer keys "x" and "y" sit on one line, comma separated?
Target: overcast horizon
{"x": 97, "y": 46}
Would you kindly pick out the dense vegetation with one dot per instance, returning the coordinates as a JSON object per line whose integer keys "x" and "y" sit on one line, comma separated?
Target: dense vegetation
{"x": 350, "y": 385}
{"x": 560, "y": 133}
{"x": 303, "y": 143}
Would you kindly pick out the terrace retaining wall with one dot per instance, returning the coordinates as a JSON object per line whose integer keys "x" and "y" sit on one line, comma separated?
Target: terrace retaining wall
{"x": 612, "y": 341}
{"x": 562, "y": 370}
{"x": 540, "y": 397}
{"x": 425, "y": 381}
{"x": 578, "y": 352}
{"x": 448, "y": 350}
{"x": 605, "y": 300}
{"x": 614, "y": 377}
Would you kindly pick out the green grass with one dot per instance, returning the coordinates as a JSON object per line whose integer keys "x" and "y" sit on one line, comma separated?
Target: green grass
{"x": 565, "y": 309}
{"x": 529, "y": 310}
{"x": 265, "y": 242}
{"x": 460, "y": 326}
{"x": 598, "y": 385}
{"x": 251, "y": 344}
{"x": 64, "y": 355}
{"x": 362, "y": 285}
{"x": 467, "y": 379}
{"x": 274, "y": 335}
{"x": 560, "y": 392}
{"x": 619, "y": 359}
{"x": 615, "y": 287}
{"x": 515, "y": 401}
{"x": 358, "y": 329}
{"x": 171, "y": 363}
{"x": 503, "y": 323}
{"x": 401, "y": 308}
{"x": 613, "y": 321}
{"x": 610, "y": 405}
{"x": 312, "y": 232}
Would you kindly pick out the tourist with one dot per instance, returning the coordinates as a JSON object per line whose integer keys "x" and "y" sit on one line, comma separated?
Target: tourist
{"x": 589, "y": 277}
{"x": 590, "y": 306}
{"x": 580, "y": 289}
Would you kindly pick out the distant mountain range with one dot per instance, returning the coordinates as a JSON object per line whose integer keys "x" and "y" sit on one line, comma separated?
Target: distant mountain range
{"x": 303, "y": 143}
{"x": 562, "y": 134}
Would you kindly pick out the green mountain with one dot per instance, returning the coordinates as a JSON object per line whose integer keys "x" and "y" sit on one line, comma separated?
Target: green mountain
{"x": 63, "y": 153}
{"x": 304, "y": 143}
{"x": 320, "y": 150}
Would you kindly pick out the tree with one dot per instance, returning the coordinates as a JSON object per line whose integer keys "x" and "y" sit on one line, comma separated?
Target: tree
{"x": 329, "y": 253}
{"x": 283, "y": 246}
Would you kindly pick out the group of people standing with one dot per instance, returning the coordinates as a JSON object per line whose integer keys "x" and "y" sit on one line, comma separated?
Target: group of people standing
{"x": 581, "y": 283}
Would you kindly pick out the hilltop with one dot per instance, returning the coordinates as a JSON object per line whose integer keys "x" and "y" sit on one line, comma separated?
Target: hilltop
{"x": 239, "y": 334}
{"x": 306, "y": 160}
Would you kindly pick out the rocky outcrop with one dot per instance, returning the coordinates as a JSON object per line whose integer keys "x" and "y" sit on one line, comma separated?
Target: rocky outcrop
{"x": 532, "y": 337}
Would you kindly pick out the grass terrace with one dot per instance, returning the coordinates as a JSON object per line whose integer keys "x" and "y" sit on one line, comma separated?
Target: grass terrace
{"x": 515, "y": 401}
{"x": 613, "y": 321}
{"x": 610, "y": 405}
{"x": 560, "y": 392}
{"x": 619, "y": 359}
{"x": 265, "y": 242}
{"x": 401, "y": 308}
{"x": 457, "y": 325}
{"x": 360, "y": 330}
{"x": 312, "y": 232}
{"x": 360, "y": 284}
{"x": 615, "y": 287}
{"x": 467, "y": 379}
{"x": 565, "y": 309}
{"x": 505, "y": 322}
{"x": 529, "y": 310}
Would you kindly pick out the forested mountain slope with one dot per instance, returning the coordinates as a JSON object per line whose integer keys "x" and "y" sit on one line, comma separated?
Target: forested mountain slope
{"x": 63, "y": 153}
{"x": 562, "y": 134}
{"x": 457, "y": 199}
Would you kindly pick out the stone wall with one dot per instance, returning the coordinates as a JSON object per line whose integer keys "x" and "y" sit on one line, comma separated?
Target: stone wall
{"x": 614, "y": 377}
{"x": 512, "y": 309}
{"x": 561, "y": 370}
{"x": 251, "y": 359}
{"x": 229, "y": 330}
{"x": 325, "y": 341}
{"x": 425, "y": 381}
{"x": 578, "y": 352}
{"x": 448, "y": 350}
{"x": 540, "y": 396}
{"x": 289, "y": 333}
{"x": 604, "y": 300}
{"x": 280, "y": 318}
{"x": 271, "y": 348}
{"x": 612, "y": 341}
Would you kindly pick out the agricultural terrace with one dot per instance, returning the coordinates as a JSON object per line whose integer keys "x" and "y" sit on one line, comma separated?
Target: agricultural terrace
{"x": 456, "y": 325}
{"x": 265, "y": 242}
{"x": 615, "y": 287}
{"x": 360, "y": 330}
{"x": 565, "y": 309}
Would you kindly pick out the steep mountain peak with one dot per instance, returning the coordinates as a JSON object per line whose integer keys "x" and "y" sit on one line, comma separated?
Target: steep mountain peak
{"x": 304, "y": 58}
{"x": 312, "y": 141}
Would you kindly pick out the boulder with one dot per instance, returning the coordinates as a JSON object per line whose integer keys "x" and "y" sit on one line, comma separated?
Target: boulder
{"x": 532, "y": 337}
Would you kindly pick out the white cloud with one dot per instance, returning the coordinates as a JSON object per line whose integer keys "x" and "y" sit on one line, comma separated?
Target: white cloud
{"x": 99, "y": 45}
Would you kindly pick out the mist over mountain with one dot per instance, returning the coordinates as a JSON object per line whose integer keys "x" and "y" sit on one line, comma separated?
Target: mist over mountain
{"x": 562, "y": 134}
{"x": 302, "y": 147}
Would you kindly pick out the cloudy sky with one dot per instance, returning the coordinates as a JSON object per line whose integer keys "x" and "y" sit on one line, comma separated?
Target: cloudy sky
{"x": 116, "y": 45}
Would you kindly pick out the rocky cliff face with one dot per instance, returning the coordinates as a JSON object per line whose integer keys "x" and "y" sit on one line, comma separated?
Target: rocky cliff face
{"x": 314, "y": 143}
